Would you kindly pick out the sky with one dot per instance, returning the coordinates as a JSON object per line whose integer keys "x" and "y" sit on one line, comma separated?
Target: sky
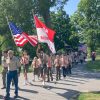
{"x": 71, "y": 6}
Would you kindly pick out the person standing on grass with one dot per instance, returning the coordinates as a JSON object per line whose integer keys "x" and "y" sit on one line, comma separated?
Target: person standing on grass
{"x": 5, "y": 68}
{"x": 12, "y": 74}
{"x": 25, "y": 63}
{"x": 93, "y": 55}
{"x": 85, "y": 56}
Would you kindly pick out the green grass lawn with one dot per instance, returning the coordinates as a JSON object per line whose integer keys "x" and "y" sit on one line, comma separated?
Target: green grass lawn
{"x": 89, "y": 96}
{"x": 93, "y": 66}
{"x": 0, "y": 68}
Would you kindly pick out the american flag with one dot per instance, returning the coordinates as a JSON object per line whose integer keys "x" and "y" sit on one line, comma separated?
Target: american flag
{"x": 20, "y": 37}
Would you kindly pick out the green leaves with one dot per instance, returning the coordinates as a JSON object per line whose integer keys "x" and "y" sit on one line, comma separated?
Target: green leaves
{"x": 65, "y": 32}
{"x": 20, "y": 12}
{"x": 86, "y": 19}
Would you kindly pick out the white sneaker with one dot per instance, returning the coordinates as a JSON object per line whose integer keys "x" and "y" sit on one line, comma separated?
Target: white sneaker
{"x": 25, "y": 83}
{"x": 28, "y": 82}
{"x": 43, "y": 83}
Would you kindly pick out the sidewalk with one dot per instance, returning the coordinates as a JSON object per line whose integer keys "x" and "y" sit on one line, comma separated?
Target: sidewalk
{"x": 79, "y": 81}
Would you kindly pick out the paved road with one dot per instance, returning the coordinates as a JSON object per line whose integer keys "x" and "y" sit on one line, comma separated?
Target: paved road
{"x": 80, "y": 81}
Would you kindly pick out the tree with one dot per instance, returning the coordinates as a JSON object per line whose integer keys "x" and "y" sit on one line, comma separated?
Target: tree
{"x": 20, "y": 12}
{"x": 64, "y": 32}
{"x": 86, "y": 20}
{"x": 42, "y": 7}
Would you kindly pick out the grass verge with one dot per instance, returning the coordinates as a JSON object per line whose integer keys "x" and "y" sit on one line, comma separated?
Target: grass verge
{"x": 0, "y": 68}
{"x": 89, "y": 96}
{"x": 93, "y": 66}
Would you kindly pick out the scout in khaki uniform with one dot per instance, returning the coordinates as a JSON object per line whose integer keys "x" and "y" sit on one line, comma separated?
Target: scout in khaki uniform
{"x": 49, "y": 68}
{"x": 43, "y": 57}
{"x": 63, "y": 65}
{"x": 4, "y": 71}
{"x": 57, "y": 66}
{"x": 35, "y": 67}
{"x": 25, "y": 63}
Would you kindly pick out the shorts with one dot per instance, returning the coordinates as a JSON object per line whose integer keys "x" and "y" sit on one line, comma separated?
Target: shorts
{"x": 36, "y": 71}
{"x": 25, "y": 68}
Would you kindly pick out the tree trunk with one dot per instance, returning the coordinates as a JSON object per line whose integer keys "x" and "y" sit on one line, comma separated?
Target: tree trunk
{"x": 46, "y": 17}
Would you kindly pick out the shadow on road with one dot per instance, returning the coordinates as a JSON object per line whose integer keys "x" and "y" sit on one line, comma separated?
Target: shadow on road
{"x": 68, "y": 94}
{"x": 11, "y": 98}
{"x": 27, "y": 90}
{"x": 66, "y": 84}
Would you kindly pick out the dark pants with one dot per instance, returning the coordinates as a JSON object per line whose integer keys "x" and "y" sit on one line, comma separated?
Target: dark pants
{"x": 93, "y": 58}
{"x": 58, "y": 73}
{"x": 69, "y": 69}
{"x": 64, "y": 71}
{"x": 43, "y": 70}
{"x": 81, "y": 61}
{"x": 12, "y": 75}
{"x": 49, "y": 73}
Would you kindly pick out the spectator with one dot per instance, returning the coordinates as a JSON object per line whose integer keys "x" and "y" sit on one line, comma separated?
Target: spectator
{"x": 13, "y": 64}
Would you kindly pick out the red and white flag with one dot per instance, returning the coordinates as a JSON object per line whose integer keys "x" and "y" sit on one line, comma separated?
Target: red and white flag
{"x": 45, "y": 35}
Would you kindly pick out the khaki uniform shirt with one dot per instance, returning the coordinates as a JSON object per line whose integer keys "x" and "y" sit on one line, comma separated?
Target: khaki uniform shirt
{"x": 3, "y": 61}
{"x": 57, "y": 62}
{"x": 35, "y": 64}
{"x": 13, "y": 63}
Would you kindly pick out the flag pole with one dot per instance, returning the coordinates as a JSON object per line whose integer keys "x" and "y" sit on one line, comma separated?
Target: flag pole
{"x": 9, "y": 26}
{"x": 34, "y": 20}
{"x": 36, "y": 30}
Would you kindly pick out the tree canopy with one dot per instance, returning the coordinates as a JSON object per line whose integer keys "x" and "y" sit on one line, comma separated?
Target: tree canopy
{"x": 65, "y": 34}
{"x": 87, "y": 21}
{"x": 42, "y": 7}
{"x": 21, "y": 12}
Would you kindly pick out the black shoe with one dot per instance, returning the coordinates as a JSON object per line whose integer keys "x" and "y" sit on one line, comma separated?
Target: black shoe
{"x": 59, "y": 78}
{"x": 56, "y": 79}
{"x": 16, "y": 96}
{"x": 3, "y": 87}
{"x": 51, "y": 79}
{"x": 48, "y": 80}
{"x": 6, "y": 98}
